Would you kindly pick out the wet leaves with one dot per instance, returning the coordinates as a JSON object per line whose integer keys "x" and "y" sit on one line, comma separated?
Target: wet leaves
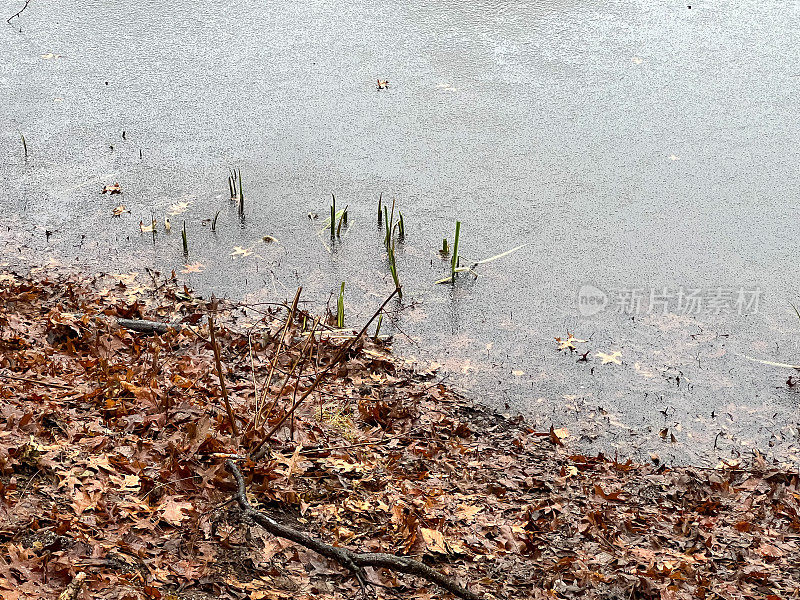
{"x": 178, "y": 208}
{"x": 196, "y": 267}
{"x": 610, "y": 358}
{"x": 116, "y": 472}
{"x": 239, "y": 251}
{"x": 569, "y": 342}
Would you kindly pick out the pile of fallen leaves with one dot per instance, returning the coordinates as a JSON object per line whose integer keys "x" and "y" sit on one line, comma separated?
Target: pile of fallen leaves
{"x": 113, "y": 483}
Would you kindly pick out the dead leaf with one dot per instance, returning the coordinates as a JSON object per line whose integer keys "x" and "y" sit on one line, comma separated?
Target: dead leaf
{"x": 174, "y": 511}
{"x": 239, "y": 251}
{"x": 434, "y": 540}
{"x": 196, "y": 267}
{"x": 614, "y": 357}
{"x": 112, "y": 189}
{"x": 178, "y": 208}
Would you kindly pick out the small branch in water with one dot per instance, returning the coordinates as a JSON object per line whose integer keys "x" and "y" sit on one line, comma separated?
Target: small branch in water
{"x": 19, "y": 13}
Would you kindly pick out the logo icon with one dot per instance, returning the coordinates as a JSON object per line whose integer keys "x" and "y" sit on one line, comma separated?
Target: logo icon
{"x": 591, "y": 300}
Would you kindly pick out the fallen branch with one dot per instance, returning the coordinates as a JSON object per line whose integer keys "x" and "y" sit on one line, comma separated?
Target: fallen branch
{"x": 353, "y": 561}
{"x": 147, "y": 326}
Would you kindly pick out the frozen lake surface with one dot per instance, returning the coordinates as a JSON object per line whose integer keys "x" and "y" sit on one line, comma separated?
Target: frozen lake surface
{"x": 646, "y": 154}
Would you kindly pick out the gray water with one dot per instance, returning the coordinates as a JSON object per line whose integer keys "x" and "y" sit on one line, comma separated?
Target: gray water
{"x": 629, "y": 144}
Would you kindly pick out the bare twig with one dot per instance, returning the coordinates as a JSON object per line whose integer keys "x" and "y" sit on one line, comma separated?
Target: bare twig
{"x": 36, "y": 381}
{"x": 261, "y": 451}
{"x": 252, "y": 369}
{"x": 301, "y": 357}
{"x": 221, "y": 376}
{"x": 274, "y": 362}
{"x": 353, "y": 561}
{"x": 8, "y": 20}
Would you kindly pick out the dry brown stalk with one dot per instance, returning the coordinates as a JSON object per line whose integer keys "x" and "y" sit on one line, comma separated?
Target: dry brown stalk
{"x": 263, "y": 447}
{"x": 221, "y": 376}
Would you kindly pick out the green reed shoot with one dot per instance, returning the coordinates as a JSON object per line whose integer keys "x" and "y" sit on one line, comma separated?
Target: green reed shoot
{"x": 454, "y": 261}
{"x": 393, "y": 270}
{"x": 380, "y": 210}
{"x": 333, "y": 216}
{"x": 25, "y": 146}
{"x": 340, "y": 308}
{"x": 342, "y": 221}
{"x": 389, "y": 219}
{"x": 378, "y": 327}
{"x": 232, "y": 183}
{"x": 386, "y": 224}
{"x": 241, "y": 195}
{"x": 183, "y": 237}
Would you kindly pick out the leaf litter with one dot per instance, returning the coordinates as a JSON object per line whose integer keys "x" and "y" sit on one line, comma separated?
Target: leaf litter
{"x": 113, "y": 484}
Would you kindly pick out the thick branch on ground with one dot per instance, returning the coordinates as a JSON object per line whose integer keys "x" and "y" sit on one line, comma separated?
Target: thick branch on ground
{"x": 354, "y": 561}
{"x": 141, "y": 326}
